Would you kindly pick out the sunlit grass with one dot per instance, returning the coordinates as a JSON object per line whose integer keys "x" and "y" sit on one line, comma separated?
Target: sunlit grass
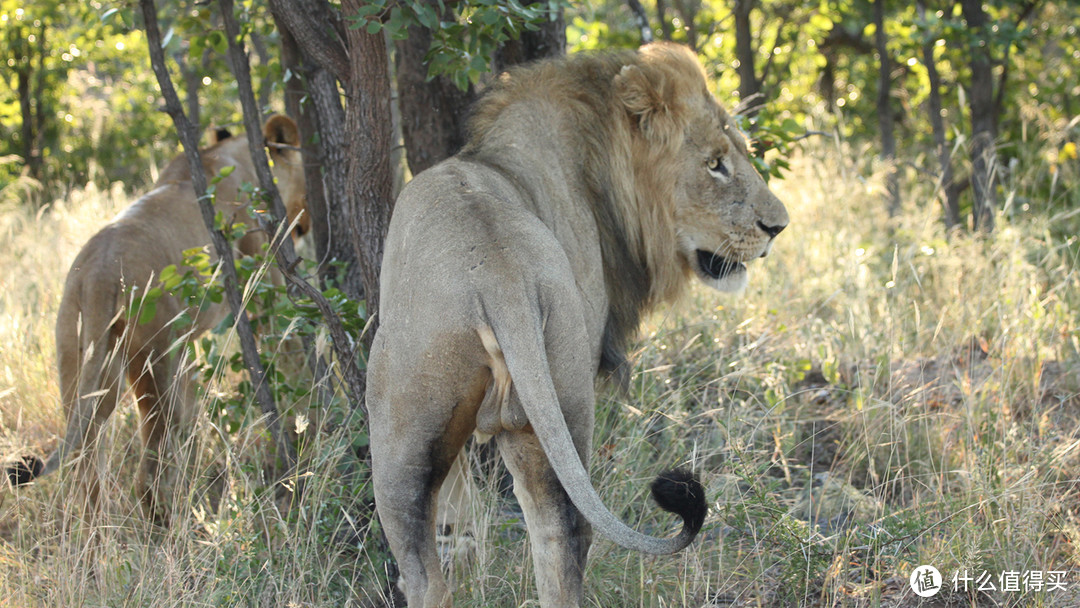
{"x": 883, "y": 395}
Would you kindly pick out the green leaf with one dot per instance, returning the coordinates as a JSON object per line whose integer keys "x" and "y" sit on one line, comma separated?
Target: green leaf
{"x": 427, "y": 16}
{"x": 148, "y": 305}
{"x": 218, "y": 42}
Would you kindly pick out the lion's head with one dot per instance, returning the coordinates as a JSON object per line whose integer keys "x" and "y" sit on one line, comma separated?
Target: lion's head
{"x": 283, "y": 140}
{"x": 693, "y": 161}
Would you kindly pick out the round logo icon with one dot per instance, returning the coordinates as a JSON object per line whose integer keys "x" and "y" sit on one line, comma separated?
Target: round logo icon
{"x": 926, "y": 581}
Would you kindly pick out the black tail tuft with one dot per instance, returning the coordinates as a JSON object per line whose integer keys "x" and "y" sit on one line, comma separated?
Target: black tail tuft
{"x": 24, "y": 470}
{"x": 679, "y": 491}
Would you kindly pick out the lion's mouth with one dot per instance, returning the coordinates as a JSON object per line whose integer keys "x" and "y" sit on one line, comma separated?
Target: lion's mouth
{"x": 716, "y": 266}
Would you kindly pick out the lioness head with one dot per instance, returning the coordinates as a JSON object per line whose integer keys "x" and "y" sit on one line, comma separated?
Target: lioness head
{"x": 724, "y": 214}
{"x": 283, "y": 141}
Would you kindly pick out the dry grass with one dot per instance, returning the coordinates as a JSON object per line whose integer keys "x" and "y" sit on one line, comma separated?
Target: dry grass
{"x": 882, "y": 396}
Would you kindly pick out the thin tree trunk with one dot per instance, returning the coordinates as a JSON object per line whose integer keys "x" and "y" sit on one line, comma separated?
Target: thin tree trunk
{"x": 266, "y": 85}
{"x": 688, "y": 10}
{"x": 641, "y": 18}
{"x": 950, "y": 200}
{"x": 26, "y": 111}
{"x": 192, "y": 82}
{"x": 884, "y": 110}
{"x": 369, "y": 194}
{"x": 38, "y": 94}
{"x": 282, "y": 248}
{"x": 303, "y": 112}
{"x": 827, "y": 82}
{"x": 319, "y": 57}
{"x": 749, "y": 85}
{"x": 342, "y": 266}
{"x": 983, "y": 120}
{"x": 189, "y": 137}
{"x": 665, "y": 25}
{"x": 432, "y": 111}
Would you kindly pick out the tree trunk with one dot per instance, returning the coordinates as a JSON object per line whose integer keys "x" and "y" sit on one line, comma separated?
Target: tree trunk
{"x": 40, "y": 109}
{"x": 369, "y": 195}
{"x": 281, "y": 244}
{"x": 688, "y": 10}
{"x": 884, "y": 110}
{"x": 266, "y": 85}
{"x": 192, "y": 82}
{"x": 548, "y": 41}
{"x": 26, "y": 110}
{"x": 827, "y": 82}
{"x": 749, "y": 86}
{"x": 950, "y": 199}
{"x": 322, "y": 132}
{"x": 641, "y": 19}
{"x": 299, "y": 107}
{"x": 432, "y": 111}
{"x": 665, "y": 25}
{"x": 983, "y": 119}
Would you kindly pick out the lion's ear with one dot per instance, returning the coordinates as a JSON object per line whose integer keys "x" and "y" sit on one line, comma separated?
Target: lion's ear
{"x": 281, "y": 129}
{"x": 649, "y": 97}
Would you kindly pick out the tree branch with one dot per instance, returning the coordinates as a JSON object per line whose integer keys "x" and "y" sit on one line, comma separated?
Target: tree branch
{"x": 642, "y": 20}
{"x": 283, "y": 250}
{"x": 661, "y": 14}
{"x": 189, "y": 137}
{"x": 999, "y": 98}
{"x": 772, "y": 54}
{"x": 306, "y": 21}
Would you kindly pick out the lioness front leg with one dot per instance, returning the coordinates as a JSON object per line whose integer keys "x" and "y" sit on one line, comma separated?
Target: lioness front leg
{"x": 559, "y": 534}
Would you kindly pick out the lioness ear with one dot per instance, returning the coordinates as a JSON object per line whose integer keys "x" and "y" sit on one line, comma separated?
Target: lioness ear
{"x": 281, "y": 129}
{"x": 219, "y": 134}
{"x": 649, "y": 97}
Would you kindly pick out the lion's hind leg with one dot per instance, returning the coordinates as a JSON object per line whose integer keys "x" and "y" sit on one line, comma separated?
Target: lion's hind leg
{"x": 407, "y": 481}
{"x": 413, "y": 449}
{"x": 559, "y": 533}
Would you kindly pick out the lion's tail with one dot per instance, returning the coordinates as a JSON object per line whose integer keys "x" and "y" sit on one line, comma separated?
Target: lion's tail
{"x": 520, "y": 335}
{"x": 86, "y": 363}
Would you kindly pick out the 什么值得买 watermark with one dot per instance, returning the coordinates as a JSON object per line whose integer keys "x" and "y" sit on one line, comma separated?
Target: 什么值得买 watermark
{"x": 927, "y": 581}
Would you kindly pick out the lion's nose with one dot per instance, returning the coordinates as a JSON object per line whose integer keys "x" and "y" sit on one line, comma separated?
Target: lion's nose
{"x": 772, "y": 231}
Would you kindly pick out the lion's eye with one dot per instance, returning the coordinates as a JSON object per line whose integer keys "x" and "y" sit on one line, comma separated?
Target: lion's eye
{"x": 716, "y": 165}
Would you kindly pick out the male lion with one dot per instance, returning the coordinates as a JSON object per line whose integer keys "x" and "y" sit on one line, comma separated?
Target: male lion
{"x": 97, "y": 342}
{"x": 590, "y": 190}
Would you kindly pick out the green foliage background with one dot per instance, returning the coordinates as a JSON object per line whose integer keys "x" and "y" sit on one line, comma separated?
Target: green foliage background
{"x": 100, "y": 106}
